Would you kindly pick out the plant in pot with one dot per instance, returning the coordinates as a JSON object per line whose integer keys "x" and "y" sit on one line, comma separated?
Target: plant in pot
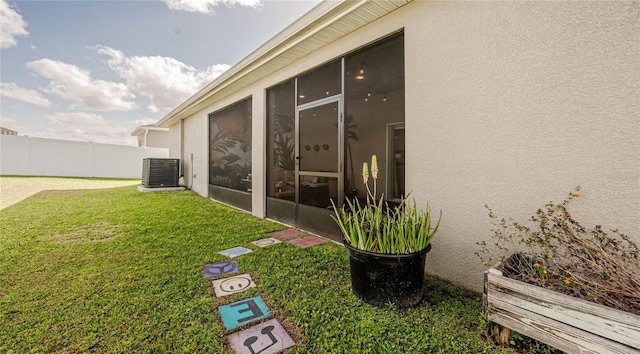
{"x": 387, "y": 246}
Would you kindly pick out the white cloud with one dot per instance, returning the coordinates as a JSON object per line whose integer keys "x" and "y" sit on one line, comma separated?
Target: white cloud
{"x": 11, "y": 25}
{"x": 145, "y": 121}
{"x": 11, "y": 90}
{"x": 208, "y": 6}
{"x": 82, "y": 126}
{"x": 166, "y": 82}
{"x": 13, "y": 124}
{"x": 75, "y": 118}
{"x": 78, "y": 126}
{"x": 76, "y": 85}
{"x": 5, "y": 120}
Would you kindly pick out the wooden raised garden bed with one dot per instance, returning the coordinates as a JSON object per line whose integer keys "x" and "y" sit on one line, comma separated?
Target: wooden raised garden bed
{"x": 570, "y": 324}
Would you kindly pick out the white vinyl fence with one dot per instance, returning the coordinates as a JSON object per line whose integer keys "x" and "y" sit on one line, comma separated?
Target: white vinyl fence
{"x": 28, "y": 156}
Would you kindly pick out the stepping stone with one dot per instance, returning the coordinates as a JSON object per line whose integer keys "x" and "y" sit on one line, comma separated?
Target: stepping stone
{"x": 217, "y": 269}
{"x": 265, "y": 338}
{"x": 242, "y": 312}
{"x": 232, "y": 285}
{"x": 234, "y": 252}
{"x": 266, "y": 242}
{"x": 288, "y": 234}
{"x": 307, "y": 241}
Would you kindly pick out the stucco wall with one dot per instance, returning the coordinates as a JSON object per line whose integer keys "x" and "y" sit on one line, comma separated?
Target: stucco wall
{"x": 174, "y": 141}
{"x": 195, "y": 170}
{"x": 513, "y": 105}
{"x": 157, "y": 138}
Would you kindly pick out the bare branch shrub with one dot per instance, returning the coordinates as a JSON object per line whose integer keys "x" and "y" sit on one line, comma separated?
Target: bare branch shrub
{"x": 560, "y": 254}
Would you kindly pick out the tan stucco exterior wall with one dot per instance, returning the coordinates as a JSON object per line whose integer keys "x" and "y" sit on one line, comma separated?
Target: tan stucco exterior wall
{"x": 159, "y": 139}
{"x": 174, "y": 141}
{"x": 507, "y": 104}
{"x": 515, "y": 103}
{"x": 258, "y": 153}
{"x": 195, "y": 171}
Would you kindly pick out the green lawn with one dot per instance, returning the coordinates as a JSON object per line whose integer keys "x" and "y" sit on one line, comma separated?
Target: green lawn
{"x": 116, "y": 270}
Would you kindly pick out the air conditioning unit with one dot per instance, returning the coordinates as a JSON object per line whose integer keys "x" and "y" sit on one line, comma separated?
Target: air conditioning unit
{"x": 157, "y": 172}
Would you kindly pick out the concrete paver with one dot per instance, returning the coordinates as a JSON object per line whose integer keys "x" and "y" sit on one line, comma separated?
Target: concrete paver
{"x": 232, "y": 285}
{"x": 265, "y": 242}
{"x": 236, "y": 251}
{"x": 288, "y": 234}
{"x": 265, "y": 338}
{"x": 307, "y": 241}
{"x": 243, "y": 312}
{"x": 219, "y": 269}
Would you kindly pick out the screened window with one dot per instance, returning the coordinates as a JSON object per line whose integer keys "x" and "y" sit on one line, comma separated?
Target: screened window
{"x": 230, "y": 147}
{"x": 320, "y": 83}
{"x": 374, "y": 116}
{"x": 281, "y": 141}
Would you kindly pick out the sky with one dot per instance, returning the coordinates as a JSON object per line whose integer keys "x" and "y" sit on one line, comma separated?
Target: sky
{"x": 93, "y": 71}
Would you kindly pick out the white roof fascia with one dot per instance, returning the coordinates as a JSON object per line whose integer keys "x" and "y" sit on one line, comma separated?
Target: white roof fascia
{"x": 144, "y": 129}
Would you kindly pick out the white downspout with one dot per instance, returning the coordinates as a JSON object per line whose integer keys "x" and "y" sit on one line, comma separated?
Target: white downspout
{"x": 146, "y": 131}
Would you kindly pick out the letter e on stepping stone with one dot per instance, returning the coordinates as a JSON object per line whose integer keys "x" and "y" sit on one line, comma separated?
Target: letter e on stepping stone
{"x": 232, "y": 285}
{"x": 265, "y": 338}
{"x": 242, "y": 312}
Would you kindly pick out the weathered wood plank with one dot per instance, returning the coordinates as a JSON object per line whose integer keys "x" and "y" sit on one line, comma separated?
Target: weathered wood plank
{"x": 591, "y": 324}
{"x": 549, "y": 331}
{"x": 619, "y": 326}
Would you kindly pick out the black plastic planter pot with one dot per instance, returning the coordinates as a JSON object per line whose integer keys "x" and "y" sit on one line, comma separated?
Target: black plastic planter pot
{"x": 380, "y": 279}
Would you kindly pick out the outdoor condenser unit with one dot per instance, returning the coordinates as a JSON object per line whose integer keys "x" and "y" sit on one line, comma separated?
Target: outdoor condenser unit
{"x": 158, "y": 172}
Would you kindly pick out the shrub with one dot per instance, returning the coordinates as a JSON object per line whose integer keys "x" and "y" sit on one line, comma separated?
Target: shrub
{"x": 560, "y": 254}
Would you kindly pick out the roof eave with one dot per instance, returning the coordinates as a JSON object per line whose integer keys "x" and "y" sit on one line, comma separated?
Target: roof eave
{"x": 144, "y": 128}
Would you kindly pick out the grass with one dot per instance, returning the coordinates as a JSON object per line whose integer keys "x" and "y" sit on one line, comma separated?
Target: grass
{"x": 16, "y": 188}
{"x": 119, "y": 271}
